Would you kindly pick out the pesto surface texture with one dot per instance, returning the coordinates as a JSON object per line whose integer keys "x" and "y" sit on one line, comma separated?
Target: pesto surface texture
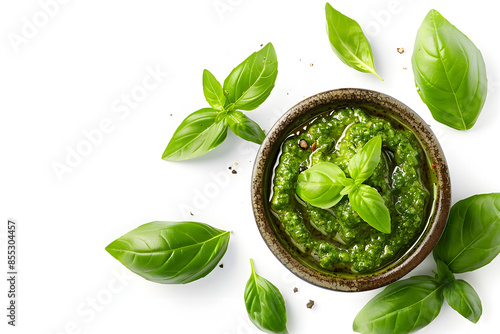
{"x": 337, "y": 239}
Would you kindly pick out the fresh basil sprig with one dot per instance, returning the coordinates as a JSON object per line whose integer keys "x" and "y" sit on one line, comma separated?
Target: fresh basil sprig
{"x": 472, "y": 234}
{"x": 171, "y": 252}
{"x": 449, "y": 72}
{"x": 349, "y": 42}
{"x": 265, "y": 304}
{"x": 325, "y": 184}
{"x": 246, "y": 87}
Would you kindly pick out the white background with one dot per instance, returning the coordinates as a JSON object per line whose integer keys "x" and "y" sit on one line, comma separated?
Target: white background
{"x": 69, "y": 75}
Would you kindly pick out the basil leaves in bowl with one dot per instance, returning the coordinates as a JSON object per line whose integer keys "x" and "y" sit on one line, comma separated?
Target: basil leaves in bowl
{"x": 350, "y": 190}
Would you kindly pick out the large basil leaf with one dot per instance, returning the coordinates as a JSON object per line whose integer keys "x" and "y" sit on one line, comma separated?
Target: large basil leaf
{"x": 198, "y": 134}
{"x": 321, "y": 185}
{"x": 403, "y": 307}
{"x": 462, "y": 297}
{"x": 349, "y": 42}
{"x": 213, "y": 91}
{"x": 251, "y": 82}
{"x": 472, "y": 235}
{"x": 449, "y": 72}
{"x": 265, "y": 305}
{"x": 363, "y": 163}
{"x": 171, "y": 252}
{"x": 244, "y": 127}
{"x": 370, "y": 206}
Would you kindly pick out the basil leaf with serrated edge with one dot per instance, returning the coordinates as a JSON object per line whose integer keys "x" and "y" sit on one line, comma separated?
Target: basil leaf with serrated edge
{"x": 321, "y": 185}
{"x": 213, "y": 91}
{"x": 171, "y": 252}
{"x": 462, "y": 297}
{"x": 370, "y": 206}
{"x": 251, "y": 82}
{"x": 363, "y": 163}
{"x": 471, "y": 238}
{"x": 450, "y": 73}
{"x": 198, "y": 134}
{"x": 403, "y": 307}
{"x": 242, "y": 126}
{"x": 349, "y": 42}
{"x": 265, "y": 304}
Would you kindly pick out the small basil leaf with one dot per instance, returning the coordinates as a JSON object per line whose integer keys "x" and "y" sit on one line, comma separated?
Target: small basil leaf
{"x": 171, "y": 252}
{"x": 449, "y": 72}
{"x": 265, "y": 305}
{"x": 251, "y": 82}
{"x": 321, "y": 185}
{"x": 444, "y": 275}
{"x": 471, "y": 238}
{"x": 198, "y": 134}
{"x": 403, "y": 307}
{"x": 462, "y": 297}
{"x": 213, "y": 91}
{"x": 244, "y": 127}
{"x": 349, "y": 42}
{"x": 363, "y": 163}
{"x": 370, "y": 206}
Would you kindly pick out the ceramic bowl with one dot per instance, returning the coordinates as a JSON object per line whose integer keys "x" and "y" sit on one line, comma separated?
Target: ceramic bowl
{"x": 378, "y": 104}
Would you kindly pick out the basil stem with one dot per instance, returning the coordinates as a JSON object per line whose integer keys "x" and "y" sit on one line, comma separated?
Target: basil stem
{"x": 246, "y": 88}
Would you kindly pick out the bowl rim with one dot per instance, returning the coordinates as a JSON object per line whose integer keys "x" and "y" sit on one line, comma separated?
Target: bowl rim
{"x": 417, "y": 253}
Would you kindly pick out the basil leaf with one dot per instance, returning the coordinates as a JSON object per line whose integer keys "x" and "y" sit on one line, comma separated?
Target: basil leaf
{"x": 265, "y": 305}
{"x": 363, "y": 163}
{"x": 403, "y": 307}
{"x": 349, "y": 42}
{"x": 370, "y": 206}
{"x": 171, "y": 252}
{"x": 251, "y": 82}
{"x": 449, "y": 72}
{"x": 244, "y": 127}
{"x": 471, "y": 238}
{"x": 462, "y": 297}
{"x": 444, "y": 275}
{"x": 213, "y": 91}
{"x": 321, "y": 185}
{"x": 198, "y": 134}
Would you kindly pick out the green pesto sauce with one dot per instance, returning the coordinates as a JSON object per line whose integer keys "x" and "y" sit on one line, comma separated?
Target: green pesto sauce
{"x": 337, "y": 239}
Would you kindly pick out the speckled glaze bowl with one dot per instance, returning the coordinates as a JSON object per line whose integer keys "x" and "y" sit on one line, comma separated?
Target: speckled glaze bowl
{"x": 378, "y": 104}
